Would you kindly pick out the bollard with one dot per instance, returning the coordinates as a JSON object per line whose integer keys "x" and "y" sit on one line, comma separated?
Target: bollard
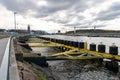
{"x": 65, "y": 42}
{"x": 101, "y": 48}
{"x": 49, "y": 39}
{"x": 58, "y": 40}
{"x": 75, "y": 44}
{"x": 113, "y": 50}
{"x": 70, "y": 43}
{"x": 61, "y": 41}
{"x": 93, "y": 47}
{"x": 81, "y": 45}
{"x": 113, "y": 65}
{"x": 52, "y": 39}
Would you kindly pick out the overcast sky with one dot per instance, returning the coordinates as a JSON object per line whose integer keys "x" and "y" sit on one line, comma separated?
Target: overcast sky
{"x": 54, "y": 15}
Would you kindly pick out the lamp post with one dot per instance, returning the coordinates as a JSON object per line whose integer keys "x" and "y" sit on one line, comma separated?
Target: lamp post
{"x": 15, "y": 20}
{"x": 74, "y": 30}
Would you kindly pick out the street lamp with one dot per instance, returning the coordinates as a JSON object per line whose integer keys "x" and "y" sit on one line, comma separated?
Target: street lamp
{"x": 74, "y": 30}
{"x": 15, "y": 20}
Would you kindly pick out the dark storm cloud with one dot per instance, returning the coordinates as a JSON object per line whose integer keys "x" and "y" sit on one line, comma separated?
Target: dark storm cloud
{"x": 112, "y": 13}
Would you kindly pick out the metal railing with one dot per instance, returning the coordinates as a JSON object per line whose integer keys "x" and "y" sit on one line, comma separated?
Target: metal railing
{"x": 13, "y": 69}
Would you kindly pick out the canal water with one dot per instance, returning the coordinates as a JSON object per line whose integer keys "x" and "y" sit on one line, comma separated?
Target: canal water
{"x": 80, "y": 70}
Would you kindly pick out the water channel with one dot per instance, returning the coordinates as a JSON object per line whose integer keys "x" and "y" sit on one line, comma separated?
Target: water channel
{"x": 80, "y": 70}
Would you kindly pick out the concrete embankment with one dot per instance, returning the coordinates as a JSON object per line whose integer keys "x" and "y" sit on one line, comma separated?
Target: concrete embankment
{"x": 27, "y": 71}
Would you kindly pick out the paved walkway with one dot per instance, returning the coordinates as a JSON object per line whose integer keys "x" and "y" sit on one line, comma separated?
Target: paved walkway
{"x": 3, "y": 44}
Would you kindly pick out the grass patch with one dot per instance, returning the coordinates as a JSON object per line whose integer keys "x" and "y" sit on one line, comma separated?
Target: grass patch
{"x": 41, "y": 74}
{"x": 37, "y": 70}
{"x": 25, "y": 50}
{"x": 34, "y": 40}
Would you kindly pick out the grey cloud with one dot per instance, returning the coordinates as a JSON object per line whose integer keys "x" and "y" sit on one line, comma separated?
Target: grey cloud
{"x": 115, "y": 6}
{"x": 72, "y": 25}
{"x": 22, "y": 6}
{"x": 98, "y": 1}
{"x": 58, "y": 5}
{"x": 66, "y": 20}
{"x": 77, "y": 25}
{"x": 54, "y": 6}
{"x": 58, "y": 21}
{"x": 108, "y": 15}
{"x": 62, "y": 21}
{"x": 112, "y": 13}
{"x": 19, "y": 6}
{"x": 99, "y": 26}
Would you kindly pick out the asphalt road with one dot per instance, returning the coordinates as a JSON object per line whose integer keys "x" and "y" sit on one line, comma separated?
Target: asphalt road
{"x": 3, "y": 44}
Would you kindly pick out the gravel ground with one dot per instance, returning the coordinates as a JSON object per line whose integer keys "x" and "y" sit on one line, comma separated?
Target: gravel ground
{"x": 4, "y": 36}
{"x": 81, "y": 70}
{"x": 77, "y": 70}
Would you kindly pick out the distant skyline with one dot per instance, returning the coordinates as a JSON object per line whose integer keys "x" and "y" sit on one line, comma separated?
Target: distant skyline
{"x": 64, "y": 15}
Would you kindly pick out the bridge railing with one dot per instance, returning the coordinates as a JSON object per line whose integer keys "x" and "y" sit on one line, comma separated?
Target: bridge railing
{"x": 13, "y": 69}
